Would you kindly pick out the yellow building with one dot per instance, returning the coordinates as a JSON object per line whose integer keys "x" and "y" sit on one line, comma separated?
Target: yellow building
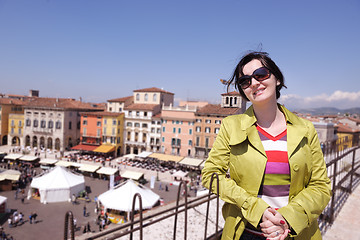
{"x": 8, "y": 106}
{"x": 348, "y": 136}
{"x": 112, "y": 134}
{"x": 16, "y": 129}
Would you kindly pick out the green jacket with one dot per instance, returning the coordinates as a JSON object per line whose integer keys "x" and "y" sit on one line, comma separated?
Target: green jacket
{"x": 239, "y": 151}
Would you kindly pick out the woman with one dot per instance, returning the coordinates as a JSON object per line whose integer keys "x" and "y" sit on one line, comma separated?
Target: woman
{"x": 278, "y": 183}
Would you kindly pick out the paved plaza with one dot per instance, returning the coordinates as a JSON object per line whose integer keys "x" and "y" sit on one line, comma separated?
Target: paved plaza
{"x": 50, "y": 220}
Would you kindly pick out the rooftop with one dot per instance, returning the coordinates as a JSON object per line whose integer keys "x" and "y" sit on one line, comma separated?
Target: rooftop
{"x": 139, "y": 106}
{"x": 153, "y": 89}
{"x": 64, "y": 103}
{"x": 216, "y": 109}
{"x": 123, "y": 99}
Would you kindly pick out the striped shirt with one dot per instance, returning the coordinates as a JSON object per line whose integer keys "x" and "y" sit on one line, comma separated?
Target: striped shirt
{"x": 275, "y": 186}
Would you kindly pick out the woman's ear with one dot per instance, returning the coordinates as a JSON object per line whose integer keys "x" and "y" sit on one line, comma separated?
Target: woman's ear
{"x": 277, "y": 83}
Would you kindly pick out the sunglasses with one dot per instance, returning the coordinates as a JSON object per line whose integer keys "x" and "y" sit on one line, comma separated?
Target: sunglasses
{"x": 259, "y": 74}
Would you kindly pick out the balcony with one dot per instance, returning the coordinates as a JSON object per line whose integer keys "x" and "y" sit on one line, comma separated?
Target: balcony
{"x": 43, "y": 130}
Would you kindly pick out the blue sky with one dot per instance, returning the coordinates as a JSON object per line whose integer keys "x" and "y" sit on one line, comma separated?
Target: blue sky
{"x": 99, "y": 50}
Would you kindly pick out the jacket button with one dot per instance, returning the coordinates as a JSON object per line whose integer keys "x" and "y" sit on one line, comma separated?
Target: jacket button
{"x": 245, "y": 205}
{"x": 296, "y": 167}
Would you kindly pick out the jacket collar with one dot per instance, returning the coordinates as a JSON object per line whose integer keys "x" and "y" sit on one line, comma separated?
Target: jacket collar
{"x": 296, "y": 130}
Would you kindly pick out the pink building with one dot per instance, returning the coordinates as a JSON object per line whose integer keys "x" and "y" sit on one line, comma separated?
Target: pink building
{"x": 177, "y": 130}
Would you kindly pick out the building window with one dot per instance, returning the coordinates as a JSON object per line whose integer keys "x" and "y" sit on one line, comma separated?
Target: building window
{"x": 174, "y": 130}
{"x": 137, "y": 125}
{"x": 216, "y": 130}
{"x": 114, "y": 131}
{"x": 158, "y": 130}
{"x": 137, "y": 97}
{"x": 110, "y": 109}
{"x": 217, "y": 121}
{"x": 129, "y": 113}
{"x": 129, "y": 124}
{"x": 98, "y": 132}
{"x": 98, "y": 123}
{"x": 146, "y": 97}
{"x": 20, "y": 123}
{"x": 197, "y": 141}
{"x": 85, "y": 122}
{"x": 120, "y": 109}
{"x": 154, "y": 97}
{"x": 163, "y": 139}
{"x": 163, "y": 129}
{"x": 70, "y": 124}
{"x": 104, "y": 131}
{"x": 114, "y": 122}
{"x": 58, "y": 125}
{"x": 207, "y": 121}
{"x": 206, "y": 142}
{"x": 179, "y": 130}
{"x": 190, "y": 131}
{"x": 190, "y": 142}
{"x": 152, "y": 130}
{"x": 43, "y": 124}
{"x": 145, "y": 114}
{"x": 137, "y": 113}
{"x": 198, "y": 129}
{"x": 28, "y": 122}
{"x": 19, "y": 131}
{"x": 84, "y": 131}
{"x": 144, "y": 125}
{"x": 105, "y": 121}
{"x": 198, "y": 120}
{"x": 50, "y": 124}
{"x": 36, "y": 123}
{"x": 207, "y": 130}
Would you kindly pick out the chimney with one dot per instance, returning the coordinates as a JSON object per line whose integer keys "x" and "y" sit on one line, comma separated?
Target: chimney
{"x": 34, "y": 93}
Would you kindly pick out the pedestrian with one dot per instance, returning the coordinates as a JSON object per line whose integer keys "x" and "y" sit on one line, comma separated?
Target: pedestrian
{"x": 88, "y": 227}
{"x": 34, "y": 215}
{"x": 266, "y": 150}
{"x": 21, "y": 218}
{"x": 30, "y": 218}
{"x": 166, "y": 188}
{"x": 10, "y": 222}
{"x": 75, "y": 223}
{"x": 23, "y": 198}
{"x": 84, "y": 210}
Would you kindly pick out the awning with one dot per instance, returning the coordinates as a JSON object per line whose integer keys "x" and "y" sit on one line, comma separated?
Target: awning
{"x": 63, "y": 163}
{"x": 165, "y": 157}
{"x": 88, "y": 168}
{"x": 12, "y": 175}
{"x": 144, "y": 154}
{"x": 107, "y": 171}
{"x": 13, "y": 156}
{"x": 47, "y": 161}
{"x": 28, "y": 158}
{"x": 132, "y": 175}
{"x": 105, "y": 149}
{"x": 84, "y": 147}
{"x": 179, "y": 174}
{"x": 191, "y": 161}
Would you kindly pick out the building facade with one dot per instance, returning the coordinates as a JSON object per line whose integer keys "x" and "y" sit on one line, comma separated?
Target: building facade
{"x": 54, "y": 123}
{"x": 178, "y": 130}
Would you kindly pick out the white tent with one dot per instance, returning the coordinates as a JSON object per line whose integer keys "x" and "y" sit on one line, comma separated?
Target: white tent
{"x": 58, "y": 185}
{"x": 121, "y": 197}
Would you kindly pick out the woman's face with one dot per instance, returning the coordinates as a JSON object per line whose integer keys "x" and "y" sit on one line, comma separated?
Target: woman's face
{"x": 260, "y": 92}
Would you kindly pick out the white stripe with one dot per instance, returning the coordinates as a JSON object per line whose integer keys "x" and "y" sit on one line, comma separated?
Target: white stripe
{"x": 279, "y": 145}
{"x": 275, "y": 202}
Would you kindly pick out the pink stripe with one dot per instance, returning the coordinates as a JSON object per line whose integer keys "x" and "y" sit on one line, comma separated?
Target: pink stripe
{"x": 277, "y": 168}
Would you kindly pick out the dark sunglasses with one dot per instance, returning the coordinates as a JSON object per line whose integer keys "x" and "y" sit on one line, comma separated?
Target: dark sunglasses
{"x": 259, "y": 74}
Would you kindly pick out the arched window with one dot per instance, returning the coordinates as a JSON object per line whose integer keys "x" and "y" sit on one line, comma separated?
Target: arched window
{"x": 137, "y": 97}
{"x": 50, "y": 124}
{"x": 227, "y": 100}
{"x": 154, "y": 97}
{"x": 28, "y": 122}
{"x": 146, "y": 97}
{"x": 36, "y": 123}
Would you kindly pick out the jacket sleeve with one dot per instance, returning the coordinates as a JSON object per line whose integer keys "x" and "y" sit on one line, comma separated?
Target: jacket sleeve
{"x": 251, "y": 207}
{"x": 307, "y": 205}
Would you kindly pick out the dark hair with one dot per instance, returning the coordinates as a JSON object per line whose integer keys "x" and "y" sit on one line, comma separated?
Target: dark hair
{"x": 266, "y": 61}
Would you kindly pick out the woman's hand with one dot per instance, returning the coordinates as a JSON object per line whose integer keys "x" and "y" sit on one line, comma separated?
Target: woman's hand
{"x": 274, "y": 225}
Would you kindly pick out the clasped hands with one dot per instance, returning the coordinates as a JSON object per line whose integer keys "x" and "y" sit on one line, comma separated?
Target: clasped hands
{"x": 273, "y": 225}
